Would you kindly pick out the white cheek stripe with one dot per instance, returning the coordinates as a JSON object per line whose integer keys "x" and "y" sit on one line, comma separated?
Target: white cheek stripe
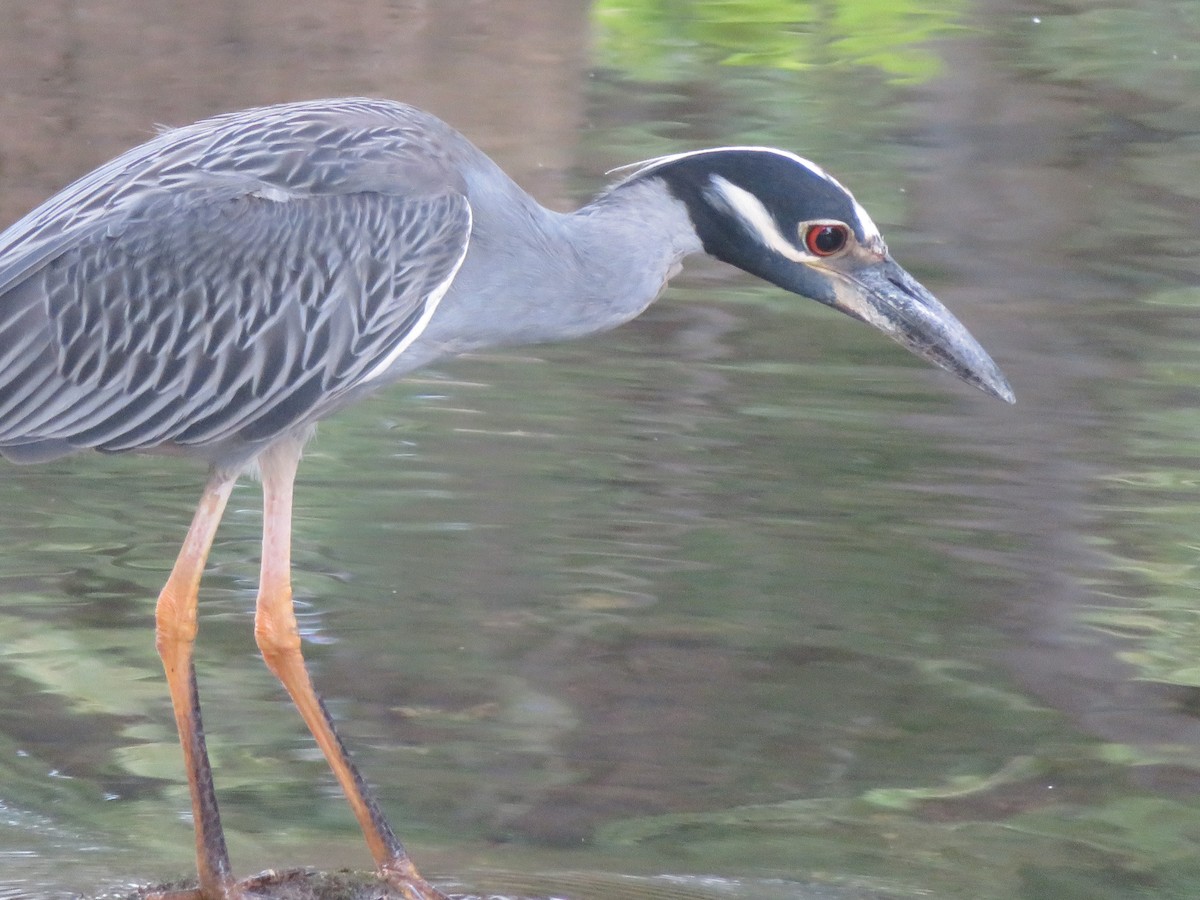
{"x": 431, "y": 304}
{"x": 757, "y": 220}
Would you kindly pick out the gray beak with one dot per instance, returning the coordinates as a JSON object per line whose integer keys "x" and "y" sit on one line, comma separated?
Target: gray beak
{"x": 884, "y": 295}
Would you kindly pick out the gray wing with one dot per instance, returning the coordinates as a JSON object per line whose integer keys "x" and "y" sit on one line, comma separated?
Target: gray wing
{"x": 222, "y": 311}
{"x": 299, "y": 149}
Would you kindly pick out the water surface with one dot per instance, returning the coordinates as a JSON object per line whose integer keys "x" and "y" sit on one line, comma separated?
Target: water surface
{"x": 739, "y": 594}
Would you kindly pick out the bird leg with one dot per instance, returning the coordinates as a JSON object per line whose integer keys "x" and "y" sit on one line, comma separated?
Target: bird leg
{"x": 278, "y": 638}
{"x": 175, "y": 632}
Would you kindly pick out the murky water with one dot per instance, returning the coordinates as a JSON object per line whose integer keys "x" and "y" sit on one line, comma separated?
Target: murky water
{"x": 737, "y": 601}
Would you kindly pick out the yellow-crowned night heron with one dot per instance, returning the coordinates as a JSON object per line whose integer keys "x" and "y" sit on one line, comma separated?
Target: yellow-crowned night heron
{"x": 217, "y": 290}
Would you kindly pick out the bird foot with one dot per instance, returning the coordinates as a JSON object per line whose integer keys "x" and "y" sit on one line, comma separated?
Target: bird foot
{"x": 401, "y": 875}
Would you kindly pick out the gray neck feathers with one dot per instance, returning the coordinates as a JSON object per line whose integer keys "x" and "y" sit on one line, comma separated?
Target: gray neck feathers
{"x": 533, "y": 275}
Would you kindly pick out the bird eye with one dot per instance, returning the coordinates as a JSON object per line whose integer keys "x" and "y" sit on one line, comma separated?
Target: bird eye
{"x": 825, "y": 239}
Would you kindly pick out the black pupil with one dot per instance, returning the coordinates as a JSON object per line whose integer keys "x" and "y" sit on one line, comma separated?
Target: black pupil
{"x": 827, "y": 239}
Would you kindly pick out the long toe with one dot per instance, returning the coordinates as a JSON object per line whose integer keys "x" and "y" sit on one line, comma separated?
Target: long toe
{"x": 401, "y": 875}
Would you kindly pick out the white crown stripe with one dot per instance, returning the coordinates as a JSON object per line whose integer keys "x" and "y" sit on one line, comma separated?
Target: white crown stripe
{"x": 646, "y": 165}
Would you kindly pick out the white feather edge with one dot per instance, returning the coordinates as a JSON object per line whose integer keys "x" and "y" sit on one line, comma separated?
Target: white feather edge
{"x": 431, "y": 305}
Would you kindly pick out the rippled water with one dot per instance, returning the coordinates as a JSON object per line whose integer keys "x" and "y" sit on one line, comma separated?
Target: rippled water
{"x": 739, "y": 594}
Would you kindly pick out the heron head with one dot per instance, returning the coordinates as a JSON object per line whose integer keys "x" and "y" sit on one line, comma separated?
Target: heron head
{"x": 786, "y": 220}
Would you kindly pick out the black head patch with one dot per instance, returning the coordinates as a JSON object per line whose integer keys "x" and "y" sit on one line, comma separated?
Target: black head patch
{"x": 790, "y": 189}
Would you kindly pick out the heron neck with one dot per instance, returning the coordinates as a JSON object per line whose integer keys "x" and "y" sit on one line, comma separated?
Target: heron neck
{"x": 533, "y": 275}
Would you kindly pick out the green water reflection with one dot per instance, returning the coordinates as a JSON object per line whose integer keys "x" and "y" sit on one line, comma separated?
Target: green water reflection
{"x": 674, "y": 40}
{"x": 738, "y": 590}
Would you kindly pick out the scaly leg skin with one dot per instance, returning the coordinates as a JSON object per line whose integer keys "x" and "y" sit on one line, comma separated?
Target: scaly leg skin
{"x": 278, "y": 638}
{"x": 175, "y": 633}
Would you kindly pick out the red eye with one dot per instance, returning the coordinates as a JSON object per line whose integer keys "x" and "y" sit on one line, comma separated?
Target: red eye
{"x": 825, "y": 239}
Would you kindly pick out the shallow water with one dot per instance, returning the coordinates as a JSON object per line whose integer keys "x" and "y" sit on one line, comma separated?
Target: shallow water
{"x": 736, "y": 601}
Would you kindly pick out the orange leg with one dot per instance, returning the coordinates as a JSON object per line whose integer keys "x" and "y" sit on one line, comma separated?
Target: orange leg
{"x": 175, "y": 621}
{"x": 278, "y": 638}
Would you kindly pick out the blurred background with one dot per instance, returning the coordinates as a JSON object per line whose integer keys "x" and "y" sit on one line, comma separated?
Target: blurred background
{"x": 739, "y": 600}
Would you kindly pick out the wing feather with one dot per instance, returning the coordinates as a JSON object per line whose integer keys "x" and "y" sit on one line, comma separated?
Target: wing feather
{"x": 222, "y": 351}
{"x": 226, "y": 282}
